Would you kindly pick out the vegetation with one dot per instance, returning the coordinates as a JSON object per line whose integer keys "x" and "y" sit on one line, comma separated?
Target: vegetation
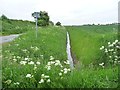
{"x": 58, "y": 24}
{"x": 10, "y": 26}
{"x": 40, "y": 60}
{"x": 24, "y": 52}
{"x": 30, "y": 62}
{"x": 87, "y": 40}
{"x": 44, "y": 19}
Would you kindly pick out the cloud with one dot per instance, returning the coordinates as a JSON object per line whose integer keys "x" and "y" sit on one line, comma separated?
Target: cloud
{"x": 65, "y": 11}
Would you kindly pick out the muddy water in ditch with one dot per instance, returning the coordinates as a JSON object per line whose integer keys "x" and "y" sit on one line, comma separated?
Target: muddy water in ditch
{"x": 68, "y": 50}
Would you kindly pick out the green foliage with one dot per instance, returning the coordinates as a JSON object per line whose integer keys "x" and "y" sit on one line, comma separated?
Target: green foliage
{"x": 44, "y": 19}
{"x": 58, "y": 24}
{"x": 90, "y": 78}
{"x": 111, "y": 53}
{"x": 86, "y": 41}
{"x": 10, "y": 26}
{"x": 51, "y": 41}
{"x": 3, "y": 17}
{"x": 20, "y": 67}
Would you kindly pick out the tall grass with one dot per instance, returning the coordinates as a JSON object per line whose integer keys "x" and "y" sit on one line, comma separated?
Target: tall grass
{"x": 86, "y": 41}
{"x": 10, "y": 26}
{"x": 30, "y": 62}
{"x": 50, "y": 44}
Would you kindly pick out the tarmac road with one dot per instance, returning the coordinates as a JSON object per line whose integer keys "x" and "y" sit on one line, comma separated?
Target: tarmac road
{"x": 9, "y": 38}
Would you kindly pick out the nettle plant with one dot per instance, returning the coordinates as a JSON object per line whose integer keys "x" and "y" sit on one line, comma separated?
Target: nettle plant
{"x": 111, "y": 51}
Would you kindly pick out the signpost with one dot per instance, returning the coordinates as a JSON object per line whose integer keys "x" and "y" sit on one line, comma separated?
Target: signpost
{"x": 36, "y": 15}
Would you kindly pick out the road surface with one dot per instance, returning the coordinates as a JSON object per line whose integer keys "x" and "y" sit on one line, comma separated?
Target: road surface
{"x": 9, "y": 38}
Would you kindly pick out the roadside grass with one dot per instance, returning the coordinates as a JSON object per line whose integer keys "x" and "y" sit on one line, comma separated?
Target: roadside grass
{"x": 21, "y": 55}
{"x": 87, "y": 40}
{"x": 10, "y": 26}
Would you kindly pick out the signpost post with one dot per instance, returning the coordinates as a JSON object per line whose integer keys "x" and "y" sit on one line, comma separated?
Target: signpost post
{"x": 36, "y": 15}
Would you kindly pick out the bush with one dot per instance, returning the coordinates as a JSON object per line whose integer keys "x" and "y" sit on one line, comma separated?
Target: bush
{"x": 58, "y": 24}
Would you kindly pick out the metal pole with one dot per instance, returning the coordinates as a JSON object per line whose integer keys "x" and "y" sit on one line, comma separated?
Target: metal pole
{"x": 36, "y": 27}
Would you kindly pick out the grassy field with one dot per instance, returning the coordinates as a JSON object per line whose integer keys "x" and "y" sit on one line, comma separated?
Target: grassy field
{"x": 49, "y": 46}
{"x": 87, "y": 40}
{"x": 30, "y": 62}
{"x": 10, "y": 26}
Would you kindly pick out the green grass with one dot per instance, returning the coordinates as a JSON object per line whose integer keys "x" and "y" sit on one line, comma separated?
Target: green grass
{"x": 90, "y": 78}
{"x": 51, "y": 41}
{"x": 10, "y": 26}
{"x": 86, "y": 41}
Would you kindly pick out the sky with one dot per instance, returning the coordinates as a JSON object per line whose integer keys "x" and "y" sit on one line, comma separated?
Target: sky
{"x": 68, "y": 12}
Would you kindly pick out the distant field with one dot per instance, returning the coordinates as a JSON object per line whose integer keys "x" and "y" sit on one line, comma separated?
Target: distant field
{"x": 87, "y": 40}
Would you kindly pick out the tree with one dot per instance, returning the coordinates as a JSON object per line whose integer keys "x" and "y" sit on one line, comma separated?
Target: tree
{"x": 58, "y": 24}
{"x": 44, "y": 19}
{"x": 4, "y": 17}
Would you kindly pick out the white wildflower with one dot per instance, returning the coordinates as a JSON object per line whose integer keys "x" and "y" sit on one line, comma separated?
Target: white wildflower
{"x": 23, "y": 62}
{"x": 46, "y": 76}
{"x": 48, "y": 68}
{"x": 18, "y": 57}
{"x": 109, "y": 43}
{"x": 48, "y": 80}
{"x": 68, "y": 69}
{"x": 26, "y": 59}
{"x": 118, "y": 47}
{"x": 31, "y": 63}
{"x": 32, "y": 47}
{"x": 106, "y": 50}
{"x": 14, "y": 60}
{"x": 101, "y": 64}
{"x": 56, "y": 64}
{"x": 38, "y": 63}
{"x": 57, "y": 61}
{"x": 36, "y": 48}
{"x": 116, "y": 41}
{"x": 29, "y": 76}
{"x": 110, "y": 56}
{"x": 102, "y": 47}
{"x": 65, "y": 72}
{"x": 17, "y": 44}
{"x": 114, "y": 52}
{"x": 52, "y": 62}
{"x": 51, "y": 58}
{"x": 67, "y": 62}
{"x": 42, "y": 75}
{"x": 25, "y": 50}
{"x": 49, "y": 63}
{"x": 65, "y": 69}
{"x": 60, "y": 74}
{"x": 61, "y": 70}
{"x": 17, "y": 83}
{"x": 41, "y": 55}
{"x": 41, "y": 81}
{"x": 8, "y": 81}
{"x": 35, "y": 67}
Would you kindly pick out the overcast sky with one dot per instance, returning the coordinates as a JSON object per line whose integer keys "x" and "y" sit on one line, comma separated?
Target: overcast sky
{"x": 68, "y": 12}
